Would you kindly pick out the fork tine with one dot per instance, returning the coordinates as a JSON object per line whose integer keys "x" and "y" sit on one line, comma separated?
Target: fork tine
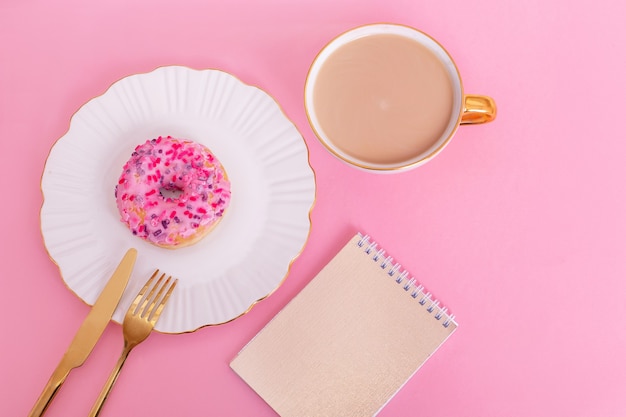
{"x": 145, "y": 303}
{"x": 155, "y": 298}
{"x": 161, "y": 305}
{"x": 142, "y": 292}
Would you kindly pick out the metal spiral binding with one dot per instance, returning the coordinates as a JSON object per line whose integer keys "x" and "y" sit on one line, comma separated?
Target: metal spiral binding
{"x": 409, "y": 284}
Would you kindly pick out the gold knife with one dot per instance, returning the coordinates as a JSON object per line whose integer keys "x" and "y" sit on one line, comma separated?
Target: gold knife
{"x": 89, "y": 332}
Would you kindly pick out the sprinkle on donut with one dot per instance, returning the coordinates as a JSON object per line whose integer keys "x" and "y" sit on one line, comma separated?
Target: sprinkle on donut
{"x": 172, "y": 192}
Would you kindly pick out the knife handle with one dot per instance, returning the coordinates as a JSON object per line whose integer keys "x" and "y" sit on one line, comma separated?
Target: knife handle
{"x": 52, "y": 387}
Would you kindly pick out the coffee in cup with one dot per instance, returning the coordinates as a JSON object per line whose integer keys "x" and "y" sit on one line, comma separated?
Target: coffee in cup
{"x": 387, "y": 97}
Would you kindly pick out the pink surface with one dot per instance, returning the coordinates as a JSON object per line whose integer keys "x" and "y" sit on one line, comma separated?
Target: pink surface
{"x": 519, "y": 226}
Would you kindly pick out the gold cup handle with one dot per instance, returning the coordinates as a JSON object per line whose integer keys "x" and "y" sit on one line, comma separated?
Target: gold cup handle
{"x": 478, "y": 109}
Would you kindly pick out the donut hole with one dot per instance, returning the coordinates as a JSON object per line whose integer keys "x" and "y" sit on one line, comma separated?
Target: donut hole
{"x": 171, "y": 192}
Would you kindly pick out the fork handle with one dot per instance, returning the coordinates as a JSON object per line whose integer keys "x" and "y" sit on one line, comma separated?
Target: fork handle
{"x": 97, "y": 407}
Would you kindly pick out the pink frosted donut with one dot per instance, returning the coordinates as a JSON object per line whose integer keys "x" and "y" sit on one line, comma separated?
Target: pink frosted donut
{"x": 172, "y": 192}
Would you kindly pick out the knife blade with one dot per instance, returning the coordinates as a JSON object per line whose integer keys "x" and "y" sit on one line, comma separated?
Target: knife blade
{"x": 89, "y": 332}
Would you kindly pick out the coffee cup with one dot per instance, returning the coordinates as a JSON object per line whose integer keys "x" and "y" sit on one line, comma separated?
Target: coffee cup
{"x": 388, "y": 97}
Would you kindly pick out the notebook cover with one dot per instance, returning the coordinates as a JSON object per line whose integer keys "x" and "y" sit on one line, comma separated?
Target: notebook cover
{"x": 347, "y": 342}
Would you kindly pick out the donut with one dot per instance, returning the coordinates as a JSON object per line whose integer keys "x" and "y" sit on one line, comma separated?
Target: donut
{"x": 172, "y": 192}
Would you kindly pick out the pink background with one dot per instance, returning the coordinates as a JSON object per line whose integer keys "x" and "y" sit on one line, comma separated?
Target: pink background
{"x": 519, "y": 226}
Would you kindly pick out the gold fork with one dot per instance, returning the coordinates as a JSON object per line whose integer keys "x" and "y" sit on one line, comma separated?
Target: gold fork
{"x": 139, "y": 321}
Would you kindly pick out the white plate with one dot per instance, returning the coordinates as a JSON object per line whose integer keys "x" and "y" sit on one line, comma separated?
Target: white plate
{"x": 245, "y": 258}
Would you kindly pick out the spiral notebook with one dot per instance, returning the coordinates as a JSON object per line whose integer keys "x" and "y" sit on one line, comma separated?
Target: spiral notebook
{"x": 348, "y": 341}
